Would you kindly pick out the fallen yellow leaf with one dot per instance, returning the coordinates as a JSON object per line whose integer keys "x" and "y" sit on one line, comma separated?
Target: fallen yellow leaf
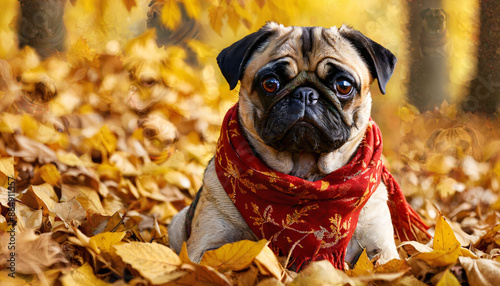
{"x": 446, "y": 249}
{"x": 7, "y": 166}
{"x": 268, "y": 261}
{"x": 183, "y": 255}
{"x": 50, "y": 174}
{"x": 444, "y": 238}
{"x": 106, "y": 241}
{"x": 363, "y": 267}
{"x": 448, "y": 279}
{"x": 82, "y": 276}
{"x": 233, "y": 256}
{"x": 154, "y": 261}
{"x": 46, "y": 196}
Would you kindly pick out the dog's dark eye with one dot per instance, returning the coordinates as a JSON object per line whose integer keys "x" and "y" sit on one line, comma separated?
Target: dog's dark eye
{"x": 148, "y": 82}
{"x": 343, "y": 86}
{"x": 270, "y": 84}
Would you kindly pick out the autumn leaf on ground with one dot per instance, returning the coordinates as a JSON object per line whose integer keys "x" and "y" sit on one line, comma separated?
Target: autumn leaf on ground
{"x": 446, "y": 247}
{"x": 154, "y": 261}
{"x": 448, "y": 279}
{"x": 71, "y": 212}
{"x": 89, "y": 185}
{"x": 233, "y": 256}
{"x": 82, "y": 276}
{"x": 106, "y": 241}
{"x": 481, "y": 271}
{"x": 365, "y": 271}
{"x": 202, "y": 275}
{"x": 322, "y": 273}
{"x": 7, "y": 166}
{"x": 268, "y": 263}
{"x": 34, "y": 253}
{"x": 363, "y": 266}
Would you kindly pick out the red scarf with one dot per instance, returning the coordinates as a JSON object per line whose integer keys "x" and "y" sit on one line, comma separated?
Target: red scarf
{"x": 313, "y": 220}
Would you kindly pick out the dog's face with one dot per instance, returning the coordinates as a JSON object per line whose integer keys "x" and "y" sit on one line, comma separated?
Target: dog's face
{"x": 146, "y": 63}
{"x": 457, "y": 141}
{"x": 305, "y": 89}
{"x": 434, "y": 20}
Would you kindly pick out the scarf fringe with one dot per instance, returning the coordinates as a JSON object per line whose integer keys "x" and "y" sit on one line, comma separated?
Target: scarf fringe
{"x": 406, "y": 220}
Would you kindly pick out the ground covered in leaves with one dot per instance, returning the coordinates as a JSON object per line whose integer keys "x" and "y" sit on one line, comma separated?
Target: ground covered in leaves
{"x": 94, "y": 164}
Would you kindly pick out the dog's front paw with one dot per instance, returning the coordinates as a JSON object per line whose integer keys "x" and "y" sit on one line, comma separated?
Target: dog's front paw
{"x": 381, "y": 256}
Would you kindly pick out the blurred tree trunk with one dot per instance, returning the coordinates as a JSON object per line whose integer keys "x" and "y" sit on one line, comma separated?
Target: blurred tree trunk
{"x": 484, "y": 91}
{"x": 429, "y": 50}
{"x": 41, "y": 26}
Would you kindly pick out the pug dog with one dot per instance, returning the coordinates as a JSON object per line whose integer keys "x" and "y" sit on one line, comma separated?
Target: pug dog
{"x": 457, "y": 141}
{"x": 298, "y": 161}
{"x": 434, "y": 40}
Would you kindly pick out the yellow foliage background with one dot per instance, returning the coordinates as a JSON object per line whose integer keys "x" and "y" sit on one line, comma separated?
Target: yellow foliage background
{"x": 153, "y": 190}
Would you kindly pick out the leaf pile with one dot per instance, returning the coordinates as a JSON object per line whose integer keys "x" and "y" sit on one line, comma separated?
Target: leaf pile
{"x": 101, "y": 165}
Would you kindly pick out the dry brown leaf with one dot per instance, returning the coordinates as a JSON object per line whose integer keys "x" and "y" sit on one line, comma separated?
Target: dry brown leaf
{"x": 202, "y": 275}
{"x": 71, "y": 212}
{"x": 34, "y": 253}
{"x": 27, "y": 218}
{"x": 33, "y": 150}
{"x": 481, "y": 271}
{"x": 45, "y": 196}
{"x": 85, "y": 195}
{"x": 414, "y": 247}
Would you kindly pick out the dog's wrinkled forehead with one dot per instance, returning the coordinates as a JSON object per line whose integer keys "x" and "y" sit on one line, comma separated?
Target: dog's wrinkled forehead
{"x": 307, "y": 44}
{"x": 306, "y": 48}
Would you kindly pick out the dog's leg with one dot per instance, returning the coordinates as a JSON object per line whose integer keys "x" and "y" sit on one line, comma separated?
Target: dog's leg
{"x": 216, "y": 221}
{"x": 177, "y": 233}
{"x": 374, "y": 230}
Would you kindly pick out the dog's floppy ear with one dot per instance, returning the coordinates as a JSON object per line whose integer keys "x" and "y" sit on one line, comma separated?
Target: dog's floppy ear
{"x": 233, "y": 59}
{"x": 379, "y": 59}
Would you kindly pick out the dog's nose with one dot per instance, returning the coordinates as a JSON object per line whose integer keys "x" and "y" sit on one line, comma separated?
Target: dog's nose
{"x": 306, "y": 94}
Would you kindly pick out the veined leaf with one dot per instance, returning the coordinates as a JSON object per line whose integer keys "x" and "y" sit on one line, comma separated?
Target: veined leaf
{"x": 233, "y": 256}
{"x": 154, "y": 261}
{"x": 82, "y": 276}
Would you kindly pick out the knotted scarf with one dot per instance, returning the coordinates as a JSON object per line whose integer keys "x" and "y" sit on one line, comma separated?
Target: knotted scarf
{"x": 309, "y": 220}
